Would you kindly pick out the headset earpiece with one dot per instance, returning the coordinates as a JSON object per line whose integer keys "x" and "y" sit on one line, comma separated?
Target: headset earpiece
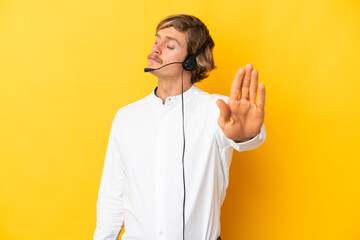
{"x": 190, "y": 61}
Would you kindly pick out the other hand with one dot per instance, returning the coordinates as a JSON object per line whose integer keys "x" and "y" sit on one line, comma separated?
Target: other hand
{"x": 241, "y": 118}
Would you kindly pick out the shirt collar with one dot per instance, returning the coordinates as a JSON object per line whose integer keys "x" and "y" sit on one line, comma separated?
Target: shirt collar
{"x": 188, "y": 94}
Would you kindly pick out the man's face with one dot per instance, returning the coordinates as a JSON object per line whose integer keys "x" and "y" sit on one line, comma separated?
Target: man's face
{"x": 170, "y": 46}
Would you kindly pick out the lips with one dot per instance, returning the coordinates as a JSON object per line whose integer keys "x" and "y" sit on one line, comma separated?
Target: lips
{"x": 154, "y": 60}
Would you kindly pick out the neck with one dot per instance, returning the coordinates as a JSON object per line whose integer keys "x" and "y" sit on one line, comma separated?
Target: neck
{"x": 168, "y": 88}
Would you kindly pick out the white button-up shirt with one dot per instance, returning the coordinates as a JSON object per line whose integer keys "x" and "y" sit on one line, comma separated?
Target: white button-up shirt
{"x": 141, "y": 187}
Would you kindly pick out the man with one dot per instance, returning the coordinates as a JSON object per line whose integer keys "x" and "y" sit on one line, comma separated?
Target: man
{"x": 147, "y": 165}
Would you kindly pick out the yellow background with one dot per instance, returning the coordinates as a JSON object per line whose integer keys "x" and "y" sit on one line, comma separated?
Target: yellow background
{"x": 67, "y": 66}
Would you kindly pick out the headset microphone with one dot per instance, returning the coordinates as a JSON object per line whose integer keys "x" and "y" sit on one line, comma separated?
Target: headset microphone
{"x": 153, "y": 69}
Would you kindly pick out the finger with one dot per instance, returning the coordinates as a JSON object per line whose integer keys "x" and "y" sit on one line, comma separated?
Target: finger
{"x": 260, "y": 103}
{"x": 236, "y": 85}
{"x": 224, "y": 112}
{"x": 253, "y": 85}
{"x": 246, "y": 83}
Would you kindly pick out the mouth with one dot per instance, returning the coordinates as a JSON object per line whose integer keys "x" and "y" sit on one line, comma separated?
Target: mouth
{"x": 154, "y": 59}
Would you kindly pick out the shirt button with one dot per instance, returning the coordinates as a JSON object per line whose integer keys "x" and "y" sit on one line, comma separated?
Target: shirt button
{"x": 161, "y": 232}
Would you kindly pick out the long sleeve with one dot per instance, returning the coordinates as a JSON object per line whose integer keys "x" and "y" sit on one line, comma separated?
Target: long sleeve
{"x": 110, "y": 219}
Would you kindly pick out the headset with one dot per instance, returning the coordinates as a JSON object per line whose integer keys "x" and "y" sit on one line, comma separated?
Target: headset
{"x": 188, "y": 64}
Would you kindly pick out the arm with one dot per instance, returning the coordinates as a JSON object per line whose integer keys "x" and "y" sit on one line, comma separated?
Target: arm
{"x": 110, "y": 197}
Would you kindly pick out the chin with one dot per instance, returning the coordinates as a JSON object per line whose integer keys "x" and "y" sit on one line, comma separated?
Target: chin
{"x": 152, "y": 65}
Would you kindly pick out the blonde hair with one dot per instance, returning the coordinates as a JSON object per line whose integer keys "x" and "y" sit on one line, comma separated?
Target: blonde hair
{"x": 197, "y": 35}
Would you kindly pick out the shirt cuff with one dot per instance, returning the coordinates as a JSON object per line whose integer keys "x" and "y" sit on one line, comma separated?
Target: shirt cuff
{"x": 252, "y": 143}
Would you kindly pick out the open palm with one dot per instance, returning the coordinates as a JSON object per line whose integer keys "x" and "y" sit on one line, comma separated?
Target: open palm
{"x": 241, "y": 118}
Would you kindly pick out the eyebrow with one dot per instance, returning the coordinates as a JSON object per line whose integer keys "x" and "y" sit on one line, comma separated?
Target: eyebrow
{"x": 170, "y": 38}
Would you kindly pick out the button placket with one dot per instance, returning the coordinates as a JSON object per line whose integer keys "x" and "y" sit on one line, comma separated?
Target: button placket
{"x": 160, "y": 174}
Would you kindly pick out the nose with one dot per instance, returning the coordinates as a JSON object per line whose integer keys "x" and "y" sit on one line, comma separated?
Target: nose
{"x": 156, "y": 49}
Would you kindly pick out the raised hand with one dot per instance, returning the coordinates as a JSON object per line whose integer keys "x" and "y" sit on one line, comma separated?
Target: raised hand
{"x": 241, "y": 118}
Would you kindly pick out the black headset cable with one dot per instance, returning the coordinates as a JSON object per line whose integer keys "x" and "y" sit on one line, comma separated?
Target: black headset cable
{"x": 183, "y": 153}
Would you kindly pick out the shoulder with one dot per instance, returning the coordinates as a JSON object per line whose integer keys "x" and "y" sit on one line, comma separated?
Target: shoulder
{"x": 133, "y": 108}
{"x": 210, "y": 98}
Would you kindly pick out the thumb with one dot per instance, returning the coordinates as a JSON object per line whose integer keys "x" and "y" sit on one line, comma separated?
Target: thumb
{"x": 224, "y": 112}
